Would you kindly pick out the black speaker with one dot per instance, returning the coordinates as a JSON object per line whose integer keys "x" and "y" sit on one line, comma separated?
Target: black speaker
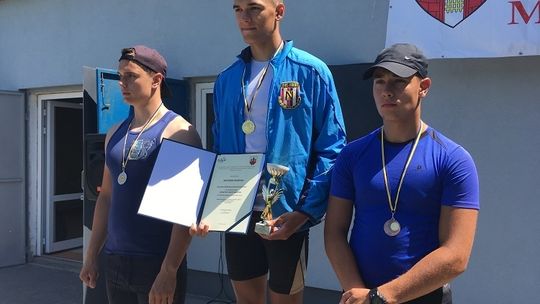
{"x": 94, "y": 160}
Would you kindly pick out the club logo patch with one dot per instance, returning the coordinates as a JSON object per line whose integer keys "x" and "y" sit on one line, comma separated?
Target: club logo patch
{"x": 450, "y": 12}
{"x": 289, "y": 95}
{"x": 140, "y": 149}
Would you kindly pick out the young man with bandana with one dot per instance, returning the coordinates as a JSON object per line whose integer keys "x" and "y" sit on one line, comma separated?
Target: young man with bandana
{"x": 145, "y": 257}
{"x": 414, "y": 194}
{"x": 281, "y": 101}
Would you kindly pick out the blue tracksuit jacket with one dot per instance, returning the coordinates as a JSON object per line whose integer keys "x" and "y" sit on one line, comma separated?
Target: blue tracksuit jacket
{"x": 305, "y": 128}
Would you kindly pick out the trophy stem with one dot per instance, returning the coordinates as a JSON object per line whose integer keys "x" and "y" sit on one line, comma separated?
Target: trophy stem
{"x": 271, "y": 194}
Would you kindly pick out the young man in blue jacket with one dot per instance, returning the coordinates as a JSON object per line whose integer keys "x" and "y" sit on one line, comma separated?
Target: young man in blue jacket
{"x": 281, "y": 101}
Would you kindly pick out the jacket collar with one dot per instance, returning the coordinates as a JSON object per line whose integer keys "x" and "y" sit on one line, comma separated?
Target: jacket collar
{"x": 246, "y": 55}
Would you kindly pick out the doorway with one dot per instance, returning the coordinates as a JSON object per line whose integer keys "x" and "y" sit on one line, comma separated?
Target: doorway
{"x": 62, "y": 159}
{"x": 204, "y": 112}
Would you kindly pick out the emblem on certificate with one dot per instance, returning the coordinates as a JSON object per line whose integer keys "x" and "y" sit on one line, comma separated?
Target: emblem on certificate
{"x": 271, "y": 194}
{"x": 289, "y": 95}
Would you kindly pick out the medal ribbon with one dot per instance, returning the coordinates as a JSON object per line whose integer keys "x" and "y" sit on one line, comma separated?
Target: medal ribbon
{"x": 393, "y": 206}
{"x": 124, "y": 158}
{"x": 259, "y": 82}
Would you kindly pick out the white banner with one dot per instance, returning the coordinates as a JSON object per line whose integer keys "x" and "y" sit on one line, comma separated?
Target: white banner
{"x": 466, "y": 28}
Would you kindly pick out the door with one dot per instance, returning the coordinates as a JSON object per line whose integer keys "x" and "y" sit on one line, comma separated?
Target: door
{"x": 204, "y": 109}
{"x": 12, "y": 179}
{"x": 64, "y": 206}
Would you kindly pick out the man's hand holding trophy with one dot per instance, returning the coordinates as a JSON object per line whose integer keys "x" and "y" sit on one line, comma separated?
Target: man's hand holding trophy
{"x": 271, "y": 194}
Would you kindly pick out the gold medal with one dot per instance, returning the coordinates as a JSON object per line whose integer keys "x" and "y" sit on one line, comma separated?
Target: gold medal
{"x": 248, "y": 127}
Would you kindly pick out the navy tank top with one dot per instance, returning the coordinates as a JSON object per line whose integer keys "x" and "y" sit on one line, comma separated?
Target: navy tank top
{"x": 128, "y": 232}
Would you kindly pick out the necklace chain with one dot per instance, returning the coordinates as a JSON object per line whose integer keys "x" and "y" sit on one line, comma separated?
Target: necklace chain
{"x": 393, "y": 206}
{"x": 124, "y": 158}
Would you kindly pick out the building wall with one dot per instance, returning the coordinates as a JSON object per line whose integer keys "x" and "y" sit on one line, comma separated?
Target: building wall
{"x": 490, "y": 106}
{"x": 198, "y": 37}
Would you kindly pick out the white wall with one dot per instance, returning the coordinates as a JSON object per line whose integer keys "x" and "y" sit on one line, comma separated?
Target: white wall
{"x": 492, "y": 108}
{"x": 46, "y": 43}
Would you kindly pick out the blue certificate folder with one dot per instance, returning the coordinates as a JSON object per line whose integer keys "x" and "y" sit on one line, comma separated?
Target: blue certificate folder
{"x": 189, "y": 185}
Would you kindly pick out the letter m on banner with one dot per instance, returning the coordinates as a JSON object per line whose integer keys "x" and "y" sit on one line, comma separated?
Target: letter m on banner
{"x": 517, "y": 6}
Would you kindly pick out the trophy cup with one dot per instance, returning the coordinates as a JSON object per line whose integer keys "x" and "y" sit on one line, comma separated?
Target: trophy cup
{"x": 271, "y": 194}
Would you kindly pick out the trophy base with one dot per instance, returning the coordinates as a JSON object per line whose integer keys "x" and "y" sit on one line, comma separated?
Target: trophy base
{"x": 263, "y": 228}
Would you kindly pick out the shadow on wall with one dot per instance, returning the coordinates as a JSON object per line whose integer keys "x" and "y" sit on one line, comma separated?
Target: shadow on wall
{"x": 356, "y": 97}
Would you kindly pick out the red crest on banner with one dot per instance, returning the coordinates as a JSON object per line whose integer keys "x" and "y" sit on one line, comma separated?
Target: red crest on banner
{"x": 450, "y": 12}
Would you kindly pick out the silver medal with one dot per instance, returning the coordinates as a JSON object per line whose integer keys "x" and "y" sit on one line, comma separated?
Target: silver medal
{"x": 122, "y": 178}
{"x": 392, "y": 227}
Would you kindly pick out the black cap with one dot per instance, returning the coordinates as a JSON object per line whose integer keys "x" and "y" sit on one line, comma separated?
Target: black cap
{"x": 150, "y": 59}
{"x": 402, "y": 59}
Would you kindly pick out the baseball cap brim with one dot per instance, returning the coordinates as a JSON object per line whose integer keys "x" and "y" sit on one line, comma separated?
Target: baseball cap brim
{"x": 394, "y": 67}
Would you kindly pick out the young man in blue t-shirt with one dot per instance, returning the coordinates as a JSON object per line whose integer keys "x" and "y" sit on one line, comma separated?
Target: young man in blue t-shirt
{"x": 414, "y": 193}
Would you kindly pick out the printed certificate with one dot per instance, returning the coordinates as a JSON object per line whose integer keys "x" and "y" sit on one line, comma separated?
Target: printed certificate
{"x": 189, "y": 184}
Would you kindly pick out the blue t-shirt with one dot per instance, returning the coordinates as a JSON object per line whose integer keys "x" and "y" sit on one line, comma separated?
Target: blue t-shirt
{"x": 130, "y": 233}
{"x": 440, "y": 173}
